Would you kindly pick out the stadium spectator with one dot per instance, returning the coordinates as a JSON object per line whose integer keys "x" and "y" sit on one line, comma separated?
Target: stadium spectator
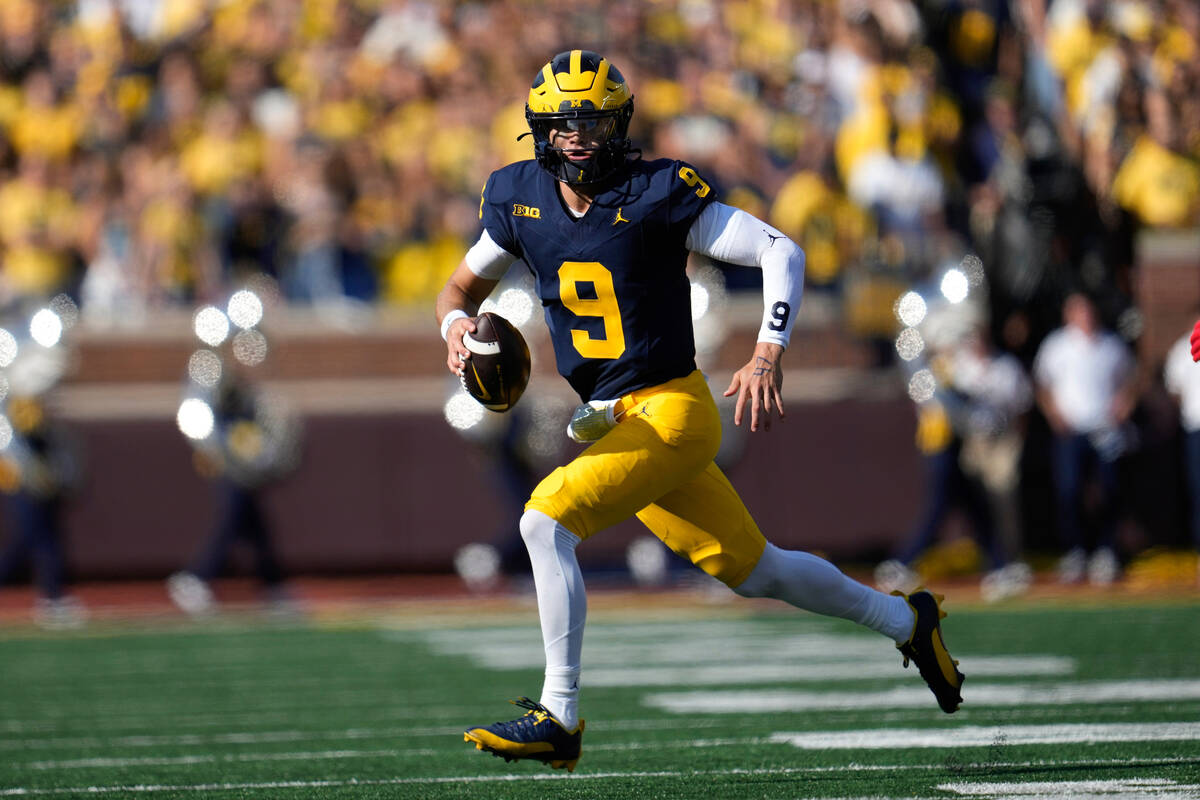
{"x": 1128, "y": 73}
{"x": 648, "y": 413}
{"x": 812, "y": 209}
{"x": 946, "y": 487}
{"x": 1181, "y": 376}
{"x": 1086, "y": 388}
{"x": 318, "y": 125}
{"x": 38, "y": 470}
{"x": 971, "y": 436}
{"x": 253, "y": 443}
{"x": 999, "y": 396}
{"x": 152, "y": 155}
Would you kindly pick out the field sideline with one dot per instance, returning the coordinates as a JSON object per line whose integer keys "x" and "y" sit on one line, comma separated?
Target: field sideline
{"x": 1068, "y": 695}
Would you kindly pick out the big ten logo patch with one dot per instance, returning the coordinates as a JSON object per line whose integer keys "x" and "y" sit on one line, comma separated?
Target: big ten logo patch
{"x": 526, "y": 211}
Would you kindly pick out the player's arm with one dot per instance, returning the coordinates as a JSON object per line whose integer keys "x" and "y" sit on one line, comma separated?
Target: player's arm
{"x": 731, "y": 235}
{"x": 470, "y": 284}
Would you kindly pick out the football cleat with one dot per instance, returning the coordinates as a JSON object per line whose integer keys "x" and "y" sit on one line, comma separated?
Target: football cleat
{"x": 926, "y": 647}
{"x": 537, "y": 735}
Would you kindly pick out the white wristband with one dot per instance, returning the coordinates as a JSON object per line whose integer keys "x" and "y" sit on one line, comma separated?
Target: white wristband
{"x": 448, "y": 320}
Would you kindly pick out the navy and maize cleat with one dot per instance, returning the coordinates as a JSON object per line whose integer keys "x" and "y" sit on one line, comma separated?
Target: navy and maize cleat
{"x": 538, "y": 735}
{"x": 927, "y": 648}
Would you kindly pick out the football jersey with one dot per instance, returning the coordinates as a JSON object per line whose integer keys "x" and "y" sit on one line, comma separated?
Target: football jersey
{"x": 612, "y": 283}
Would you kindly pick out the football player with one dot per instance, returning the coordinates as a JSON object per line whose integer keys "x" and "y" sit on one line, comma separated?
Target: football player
{"x": 607, "y": 238}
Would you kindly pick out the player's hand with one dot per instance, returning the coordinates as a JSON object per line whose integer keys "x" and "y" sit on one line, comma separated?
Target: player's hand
{"x": 759, "y": 384}
{"x": 1196, "y": 342}
{"x": 457, "y": 352}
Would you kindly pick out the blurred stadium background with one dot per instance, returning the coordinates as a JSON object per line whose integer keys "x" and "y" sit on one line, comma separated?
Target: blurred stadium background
{"x": 157, "y": 158}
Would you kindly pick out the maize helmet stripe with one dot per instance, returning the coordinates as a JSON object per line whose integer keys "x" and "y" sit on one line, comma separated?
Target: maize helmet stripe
{"x": 578, "y": 79}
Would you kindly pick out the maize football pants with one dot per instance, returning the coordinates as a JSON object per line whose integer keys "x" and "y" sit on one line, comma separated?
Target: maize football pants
{"x": 657, "y": 464}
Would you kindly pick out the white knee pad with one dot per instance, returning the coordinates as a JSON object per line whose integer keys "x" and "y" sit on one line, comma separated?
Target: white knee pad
{"x": 537, "y": 529}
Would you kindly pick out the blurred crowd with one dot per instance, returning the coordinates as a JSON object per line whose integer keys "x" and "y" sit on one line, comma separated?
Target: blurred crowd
{"x": 160, "y": 153}
{"x": 154, "y": 152}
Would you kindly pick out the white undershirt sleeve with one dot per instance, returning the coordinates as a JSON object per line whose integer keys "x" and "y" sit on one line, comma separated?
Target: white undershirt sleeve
{"x": 728, "y": 234}
{"x": 488, "y": 259}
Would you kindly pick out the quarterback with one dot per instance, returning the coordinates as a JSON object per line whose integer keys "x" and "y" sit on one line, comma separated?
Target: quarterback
{"x": 606, "y": 236}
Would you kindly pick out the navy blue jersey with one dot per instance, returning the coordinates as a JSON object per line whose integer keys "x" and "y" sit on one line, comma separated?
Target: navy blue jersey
{"x": 612, "y": 283}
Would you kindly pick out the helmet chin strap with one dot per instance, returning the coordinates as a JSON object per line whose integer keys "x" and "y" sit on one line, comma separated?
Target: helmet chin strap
{"x": 568, "y": 171}
{"x": 584, "y": 175}
{"x": 575, "y": 173}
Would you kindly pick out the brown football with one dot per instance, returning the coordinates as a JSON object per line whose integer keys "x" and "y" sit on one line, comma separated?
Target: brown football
{"x": 497, "y": 372}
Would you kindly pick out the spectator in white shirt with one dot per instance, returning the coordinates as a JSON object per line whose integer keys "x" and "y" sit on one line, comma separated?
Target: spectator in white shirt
{"x": 1182, "y": 378}
{"x": 971, "y": 434}
{"x": 1085, "y": 378}
{"x": 998, "y": 395}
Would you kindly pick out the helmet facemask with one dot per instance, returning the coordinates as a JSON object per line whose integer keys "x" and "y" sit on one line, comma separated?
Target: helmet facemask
{"x": 603, "y": 135}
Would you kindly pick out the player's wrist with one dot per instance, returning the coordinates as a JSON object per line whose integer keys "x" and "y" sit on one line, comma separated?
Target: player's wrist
{"x": 769, "y": 349}
{"x": 451, "y": 317}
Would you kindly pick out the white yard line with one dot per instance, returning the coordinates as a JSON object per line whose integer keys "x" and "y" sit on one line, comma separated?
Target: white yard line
{"x": 209, "y": 758}
{"x": 752, "y": 701}
{"x": 1039, "y": 790}
{"x": 376, "y": 705}
{"x": 132, "y": 723}
{"x": 694, "y": 649}
{"x": 805, "y": 671}
{"x": 630, "y": 656}
{"x": 325, "y": 784}
{"x": 991, "y": 736}
{"x": 293, "y": 735}
{"x": 259, "y": 737}
{"x": 678, "y": 670}
{"x": 132, "y": 719}
{"x": 1158, "y": 786}
{"x": 870, "y": 739}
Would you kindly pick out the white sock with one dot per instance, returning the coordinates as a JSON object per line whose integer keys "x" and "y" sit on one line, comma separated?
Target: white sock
{"x": 562, "y": 608}
{"x": 812, "y": 583}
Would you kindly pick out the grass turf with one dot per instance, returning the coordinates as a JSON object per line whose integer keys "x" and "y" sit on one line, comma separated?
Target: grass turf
{"x": 1104, "y": 700}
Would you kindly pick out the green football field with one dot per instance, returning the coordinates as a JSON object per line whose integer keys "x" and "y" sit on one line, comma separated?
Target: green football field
{"x": 682, "y": 700}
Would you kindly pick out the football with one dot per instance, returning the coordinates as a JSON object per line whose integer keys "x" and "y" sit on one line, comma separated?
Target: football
{"x": 497, "y": 372}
